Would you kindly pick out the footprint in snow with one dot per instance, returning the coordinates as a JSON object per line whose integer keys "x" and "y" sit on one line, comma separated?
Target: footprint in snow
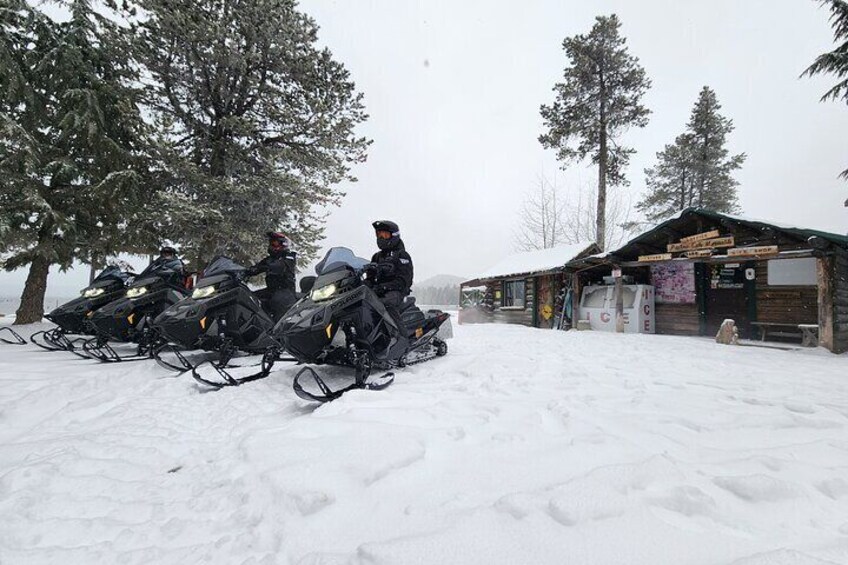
{"x": 757, "y": 488}
{"x": 687, "y": 500}
{"x": 834, "y": 488}
{"x": 310, "y": 502}
{"x": 800, "y": 408}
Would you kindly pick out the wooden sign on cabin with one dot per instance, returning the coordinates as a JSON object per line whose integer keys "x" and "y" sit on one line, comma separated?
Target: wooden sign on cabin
{"x": 657, "y": 257}
{"x": 703, "y": 244}
{"x": 749, "y": 251}
{"x": 700, "y": 237}
{"x": 698, "y": 253}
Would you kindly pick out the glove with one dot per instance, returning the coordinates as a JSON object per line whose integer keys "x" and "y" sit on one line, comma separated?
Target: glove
{"x": 383, "y": 289}
{"x": 369, "y": 268}
{"x": 386, "y": 268}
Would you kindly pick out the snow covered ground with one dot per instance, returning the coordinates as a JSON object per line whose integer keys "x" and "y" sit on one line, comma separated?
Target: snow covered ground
{"x": 521, "y": 446}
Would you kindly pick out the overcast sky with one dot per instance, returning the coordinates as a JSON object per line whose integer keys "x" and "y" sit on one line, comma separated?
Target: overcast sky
{"x": 454, "y": 88}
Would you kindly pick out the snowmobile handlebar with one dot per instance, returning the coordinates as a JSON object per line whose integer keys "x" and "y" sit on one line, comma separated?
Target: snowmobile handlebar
{"x": 378, "y": 268}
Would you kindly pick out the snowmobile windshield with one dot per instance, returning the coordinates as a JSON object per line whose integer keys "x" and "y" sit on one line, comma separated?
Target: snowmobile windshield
{"x": 339, "y": 258}
{"x": 161, "y": 267}
{"x": 221, "y": 266}
{"x": 112, "y": 272}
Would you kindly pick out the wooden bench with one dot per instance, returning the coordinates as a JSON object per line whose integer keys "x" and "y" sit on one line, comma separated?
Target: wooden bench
{"x": 808, "y": 333}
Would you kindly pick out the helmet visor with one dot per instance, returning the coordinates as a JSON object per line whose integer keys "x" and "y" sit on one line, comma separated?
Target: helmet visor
{"x": 384, "y": 234}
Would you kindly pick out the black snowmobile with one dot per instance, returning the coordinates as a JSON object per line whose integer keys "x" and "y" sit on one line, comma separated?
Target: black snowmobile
{"x": 223, "y": 315}
{"x": 342, "y": 322}
{"x": 128, "y": 319}
{"x": 73, "y": 318}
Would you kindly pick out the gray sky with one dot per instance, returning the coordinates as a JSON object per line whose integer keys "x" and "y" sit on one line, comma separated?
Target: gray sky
{"x": 454, "y": 88}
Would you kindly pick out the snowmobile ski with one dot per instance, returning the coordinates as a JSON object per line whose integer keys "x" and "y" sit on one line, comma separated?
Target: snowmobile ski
{"x": 175, "y": 358}
{"x": 16, "y": 337}
{"x": 327, "y": 395}
{"x": 57, "y": 340}
{"x": 98, "y": 348}
{"x": 226, "y": 378}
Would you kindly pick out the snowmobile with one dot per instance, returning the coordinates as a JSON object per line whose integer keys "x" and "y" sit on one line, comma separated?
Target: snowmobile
{"x": 342, "y": 322}
{"x": 222, "y": 315}
{"x": 72, "y": 319}
{"x": 128, "y": 318}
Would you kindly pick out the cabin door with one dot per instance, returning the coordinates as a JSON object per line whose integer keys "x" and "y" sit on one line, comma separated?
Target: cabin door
{"x": 726, "y": 296}
{"x": 544, "y": 302}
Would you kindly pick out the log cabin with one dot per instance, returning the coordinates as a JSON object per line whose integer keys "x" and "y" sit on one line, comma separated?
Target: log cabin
{"x": 777, "y": 282}
{"x": 522, "y": 288}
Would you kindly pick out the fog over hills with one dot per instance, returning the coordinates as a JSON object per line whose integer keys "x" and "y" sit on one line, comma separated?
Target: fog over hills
{"x": 440, "y": 290}
{"x": 440, "y": 281}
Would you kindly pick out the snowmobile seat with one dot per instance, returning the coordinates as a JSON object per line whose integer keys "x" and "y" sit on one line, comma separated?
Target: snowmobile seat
{"x": 413, "y": 318}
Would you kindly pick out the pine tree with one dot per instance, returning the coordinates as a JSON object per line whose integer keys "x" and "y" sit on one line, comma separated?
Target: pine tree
{"x": 714, "y": 186}
{"x": 256, "y": 122}
{"x": 599, "y": 99}
{"x": 836, "y": 61}
{"x": 696, "y": 170}
{"x": 69, "y": 143}
{"x": 670, "y": 182}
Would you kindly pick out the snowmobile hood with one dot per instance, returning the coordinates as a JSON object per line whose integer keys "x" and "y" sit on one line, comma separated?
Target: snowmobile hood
{"x": 118, "y": 318}
{"x": 73, "y": 315}
{"x": 184, "y": 322}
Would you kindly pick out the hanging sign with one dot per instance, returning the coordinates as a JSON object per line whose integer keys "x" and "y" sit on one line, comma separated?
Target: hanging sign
{"x": 703, "y": 244}
{"x": 698, "y": 253}
{"x": 749, "y": 251}
{"x": 700, "y": 236}
{"x": 657, "y": 257}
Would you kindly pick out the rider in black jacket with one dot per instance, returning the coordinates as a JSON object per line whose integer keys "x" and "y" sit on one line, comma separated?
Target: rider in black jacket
{"x": 279, "y": 267}
{"x": 391, "y": 274}
{"x": 170, "y": 265}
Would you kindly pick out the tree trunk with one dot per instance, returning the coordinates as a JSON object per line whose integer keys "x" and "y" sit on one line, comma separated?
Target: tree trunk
{"x": 31, "y": 309}
{"x": 601, "y": 216}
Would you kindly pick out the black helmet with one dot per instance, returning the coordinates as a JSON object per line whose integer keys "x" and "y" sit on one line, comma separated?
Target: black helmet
{"x": 388, "y": 234}
{"x": 167, "y": 250}
{"x": 278, "y": 242}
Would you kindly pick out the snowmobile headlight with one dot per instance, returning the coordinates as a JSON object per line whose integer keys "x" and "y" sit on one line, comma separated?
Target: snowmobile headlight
{"x": 136, "y": 292}
{"x": 203, "y": 292}
{"x": 323, "y": 293}
{"x": 92, "y": 292}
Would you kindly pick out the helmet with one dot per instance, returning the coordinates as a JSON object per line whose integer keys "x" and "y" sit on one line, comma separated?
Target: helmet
{"x": 278, "y": 242}
{"x": 167, "y": 250}
{"x": 388, "y": 234}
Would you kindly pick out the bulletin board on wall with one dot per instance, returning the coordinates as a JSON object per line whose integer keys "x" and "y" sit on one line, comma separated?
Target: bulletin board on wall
{"x": 674, "y": 283}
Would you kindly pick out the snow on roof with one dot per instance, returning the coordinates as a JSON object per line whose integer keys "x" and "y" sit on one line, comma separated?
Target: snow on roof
{"x": 536, "y": 261}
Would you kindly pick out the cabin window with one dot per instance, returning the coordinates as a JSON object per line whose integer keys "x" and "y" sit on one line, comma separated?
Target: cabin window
{"x": 792, "y": 272}
{"x": 513, "y": 294}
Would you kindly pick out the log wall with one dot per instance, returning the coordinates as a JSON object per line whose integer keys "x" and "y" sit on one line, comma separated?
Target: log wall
{"x": 677, "y": 319}
{"x": 784, "y": 304}
{"x": 840, "y": 301}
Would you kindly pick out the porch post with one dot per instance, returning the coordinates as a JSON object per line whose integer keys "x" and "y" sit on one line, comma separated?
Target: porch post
{"x": 824, "y": 275}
